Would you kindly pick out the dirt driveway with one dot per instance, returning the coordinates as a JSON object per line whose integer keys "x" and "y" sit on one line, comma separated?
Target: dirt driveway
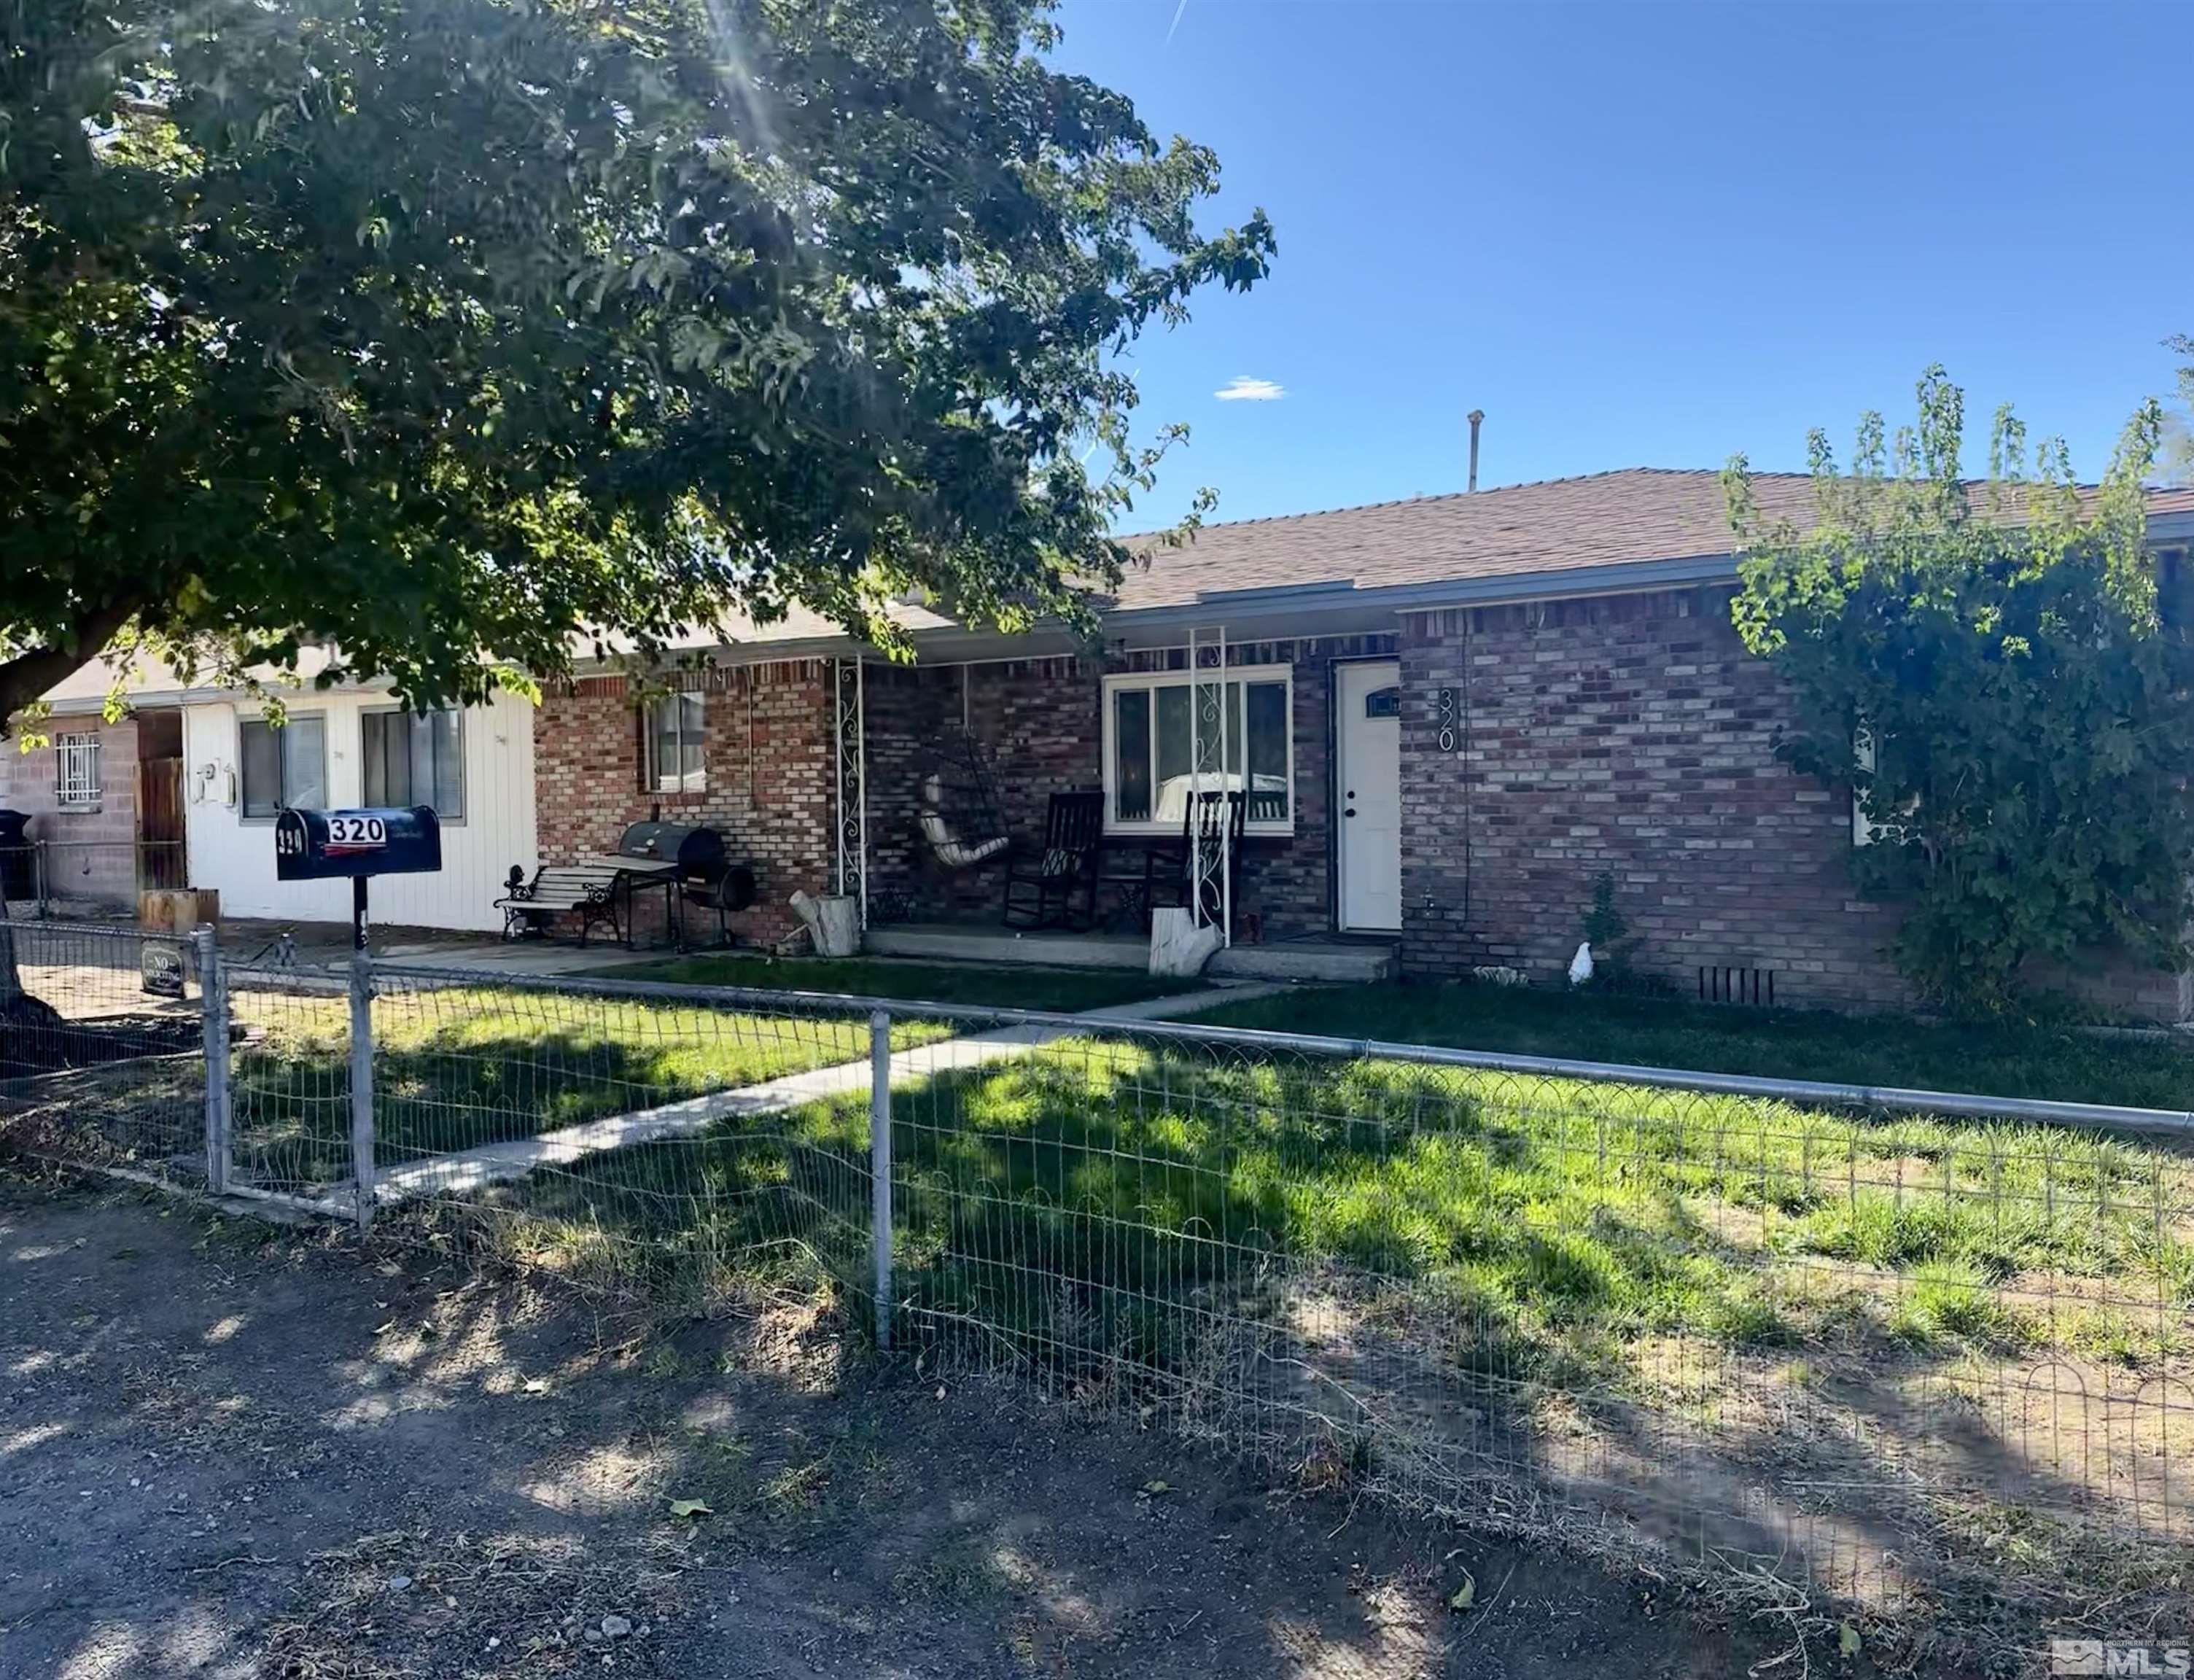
{"x": 228, "y": 1449}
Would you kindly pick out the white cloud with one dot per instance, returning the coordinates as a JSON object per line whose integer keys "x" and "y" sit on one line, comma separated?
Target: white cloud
{"x": 1243, "y": 388}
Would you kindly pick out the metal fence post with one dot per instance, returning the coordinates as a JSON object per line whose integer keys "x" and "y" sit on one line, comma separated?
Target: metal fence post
{"x": 361, "y": 1084}
{"x": 880, "y": 1168}
{"x": 213, "y": 1010}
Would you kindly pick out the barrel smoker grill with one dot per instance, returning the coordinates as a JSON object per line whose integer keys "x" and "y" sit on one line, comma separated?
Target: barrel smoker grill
{"x": 706, "y": 878}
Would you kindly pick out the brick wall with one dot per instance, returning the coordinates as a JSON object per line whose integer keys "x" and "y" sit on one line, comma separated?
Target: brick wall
{"x": 1630, "y": 735}
{"x": 1633, "y": 735}
{"x": 90, "y": 854}
{"x": 1037, "y": 723}
{"x": 771, "y": 767}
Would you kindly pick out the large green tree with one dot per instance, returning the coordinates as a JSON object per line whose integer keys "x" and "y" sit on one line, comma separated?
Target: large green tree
{"x": 1989, "y": 668}
{"x": 447, "y": 329}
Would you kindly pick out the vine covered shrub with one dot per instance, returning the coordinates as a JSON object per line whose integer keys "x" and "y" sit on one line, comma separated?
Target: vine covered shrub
{"x": 1991, "y": 671}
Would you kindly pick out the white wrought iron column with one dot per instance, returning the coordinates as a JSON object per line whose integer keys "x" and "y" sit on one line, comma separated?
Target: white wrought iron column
{"x": 1210, "y": 725}
{"x": 851, "y": 733}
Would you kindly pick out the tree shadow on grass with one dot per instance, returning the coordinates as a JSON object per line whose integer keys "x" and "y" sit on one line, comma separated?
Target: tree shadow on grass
{"x": 1443, "y": 1287}
{"x": 460, "y": 1085}
{"x": 1468, "y": 1281}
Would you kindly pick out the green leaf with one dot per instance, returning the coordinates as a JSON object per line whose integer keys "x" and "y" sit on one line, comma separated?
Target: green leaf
{"x": 1991, "y": 676}
{"x": 654, "y": 354}
{"x": 1847, "y": 1640}
{"x": 1465, "y": 1595}
{"x": 689, "y": 1508}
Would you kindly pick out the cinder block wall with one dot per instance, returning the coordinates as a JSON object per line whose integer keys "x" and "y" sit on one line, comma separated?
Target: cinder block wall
{"x": 1634, "y": 735}
{"x": 91, "y": 854}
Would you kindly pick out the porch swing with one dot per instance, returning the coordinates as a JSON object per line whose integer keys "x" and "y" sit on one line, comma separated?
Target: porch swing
{"x": 959, "y": 810}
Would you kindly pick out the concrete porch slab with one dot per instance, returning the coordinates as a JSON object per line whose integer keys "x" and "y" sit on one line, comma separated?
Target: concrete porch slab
{"x": 1335, "y": 961}
{"x": 1339, "y": 962}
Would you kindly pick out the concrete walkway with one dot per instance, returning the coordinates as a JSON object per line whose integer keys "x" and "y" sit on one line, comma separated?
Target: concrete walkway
{"x": 466, "y": 1170}
{"x": 505, "y": 958}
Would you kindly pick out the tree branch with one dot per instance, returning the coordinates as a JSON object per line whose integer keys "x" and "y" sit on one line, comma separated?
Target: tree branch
{"x": 27, "y": 675}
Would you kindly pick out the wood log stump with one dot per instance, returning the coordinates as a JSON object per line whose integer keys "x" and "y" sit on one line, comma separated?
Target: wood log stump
{"x": 1179, "y": 949}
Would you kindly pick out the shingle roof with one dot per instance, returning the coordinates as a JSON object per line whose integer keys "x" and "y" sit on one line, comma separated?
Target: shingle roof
{"x": 1628, "y": 516}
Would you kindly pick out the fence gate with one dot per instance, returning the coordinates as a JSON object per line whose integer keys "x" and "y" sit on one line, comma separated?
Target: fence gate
{"x": 279, "y": 1051}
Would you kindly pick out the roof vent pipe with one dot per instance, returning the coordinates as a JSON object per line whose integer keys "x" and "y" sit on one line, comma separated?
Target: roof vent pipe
{"x": 1477, "y": 418}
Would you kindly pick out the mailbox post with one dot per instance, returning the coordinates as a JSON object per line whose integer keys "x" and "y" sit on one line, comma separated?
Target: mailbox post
{"x": 357, "y": 845}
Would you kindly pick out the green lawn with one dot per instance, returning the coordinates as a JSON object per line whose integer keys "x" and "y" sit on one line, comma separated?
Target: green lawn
{"x": 1466, "y": 1258}
{"x": 1003, "y": 985}
{"x": 463, "y": 1066}
{"x": 1087, "y": 1195}
{"x": 458, "y": 1067}
{"x": 2017, "y": 1058}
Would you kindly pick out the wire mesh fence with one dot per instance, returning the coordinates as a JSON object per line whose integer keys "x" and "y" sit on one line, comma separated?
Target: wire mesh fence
{"x": 102, "y": 1046}
{"x": 72, "y": 877}
{"x": 1879, "y": 1353}
{"x": 1860, "y": 1350}
{"x": 284, "y": 1109}
{"x": 629, "y": 1140}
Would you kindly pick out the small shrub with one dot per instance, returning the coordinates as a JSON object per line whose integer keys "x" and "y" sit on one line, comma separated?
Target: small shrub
{"x": 1744, "y": 1318}
{"x": 1951, "y": 1301}
{"x": 1615, "y": 948}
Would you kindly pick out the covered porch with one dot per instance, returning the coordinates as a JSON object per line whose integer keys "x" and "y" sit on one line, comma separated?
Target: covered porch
{"x": 821, "y": 766}
{"x": 950, "y": 776}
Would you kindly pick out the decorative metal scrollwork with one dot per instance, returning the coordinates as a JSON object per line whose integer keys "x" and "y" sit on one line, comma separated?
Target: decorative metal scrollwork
{"x": 851, "y": 816}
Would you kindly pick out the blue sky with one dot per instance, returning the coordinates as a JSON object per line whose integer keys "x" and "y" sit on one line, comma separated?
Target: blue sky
{"x": 1653, "y": 234}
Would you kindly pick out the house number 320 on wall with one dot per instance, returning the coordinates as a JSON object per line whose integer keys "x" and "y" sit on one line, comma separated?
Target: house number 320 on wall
{"x": 1450, "y": 718}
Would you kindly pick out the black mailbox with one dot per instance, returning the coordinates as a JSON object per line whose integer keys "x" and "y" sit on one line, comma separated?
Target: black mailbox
{"x": 334, "y": 845}
{"x": 356, "y": 845}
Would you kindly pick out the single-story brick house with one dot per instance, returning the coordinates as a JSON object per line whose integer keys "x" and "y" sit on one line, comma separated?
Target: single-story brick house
{"x": 1457, "y": 712}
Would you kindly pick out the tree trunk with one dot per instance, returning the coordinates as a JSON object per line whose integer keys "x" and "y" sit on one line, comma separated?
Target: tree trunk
{"x": 29, "y": 674}
{"x": 11, "y": 979}
{"x": 19, "y": 1012}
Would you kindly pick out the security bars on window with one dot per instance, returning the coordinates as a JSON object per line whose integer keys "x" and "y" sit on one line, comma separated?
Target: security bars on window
{"x": 76, "y": 771}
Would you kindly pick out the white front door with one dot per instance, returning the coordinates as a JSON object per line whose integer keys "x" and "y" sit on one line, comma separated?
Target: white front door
{"x": 1369, "y": 734}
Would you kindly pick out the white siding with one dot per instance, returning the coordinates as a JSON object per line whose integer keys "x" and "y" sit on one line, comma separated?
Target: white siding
{"x": 236, "y": 858}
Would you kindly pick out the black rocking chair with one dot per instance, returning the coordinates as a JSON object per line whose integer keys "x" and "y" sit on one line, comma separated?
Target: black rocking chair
{"x": 1057, "y": 886}
{"x": 1214, "y": 825}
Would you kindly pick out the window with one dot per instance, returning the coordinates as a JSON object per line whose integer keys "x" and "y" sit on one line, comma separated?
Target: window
{"x": 1865, "y": 831}
{"x": 76, "y": 772}
{"x": 2172, "y": 581}
{"x": 416, "y": 759}
{"x": 672, "y": 739}
{"x": 284, "y": 767}
{"x": 1152, "y": 743}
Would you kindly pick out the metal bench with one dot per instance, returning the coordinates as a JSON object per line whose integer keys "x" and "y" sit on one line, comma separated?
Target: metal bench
{"x": 588, "y": 890}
